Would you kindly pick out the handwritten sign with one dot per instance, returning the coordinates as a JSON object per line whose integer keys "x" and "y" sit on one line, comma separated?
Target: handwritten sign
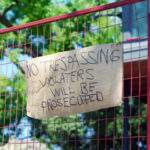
{"x": 74, "y": 81}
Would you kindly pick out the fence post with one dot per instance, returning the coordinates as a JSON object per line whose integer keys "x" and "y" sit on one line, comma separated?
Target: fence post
{"x": 125, "y": 115}
{"x": 148, "y": 78}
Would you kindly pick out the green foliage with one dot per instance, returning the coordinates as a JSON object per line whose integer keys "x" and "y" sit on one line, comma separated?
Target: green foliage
{"x": 12, "y": 103}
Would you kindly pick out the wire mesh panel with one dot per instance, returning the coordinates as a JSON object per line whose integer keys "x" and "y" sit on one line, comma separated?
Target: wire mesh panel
{"x": 123, "y": 127}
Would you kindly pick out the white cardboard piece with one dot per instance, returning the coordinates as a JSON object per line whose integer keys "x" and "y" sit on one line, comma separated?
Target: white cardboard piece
{"x": 75, "y": 81}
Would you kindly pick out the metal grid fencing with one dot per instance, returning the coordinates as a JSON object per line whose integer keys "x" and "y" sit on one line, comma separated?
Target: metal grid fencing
{"x": 123, "y": 127}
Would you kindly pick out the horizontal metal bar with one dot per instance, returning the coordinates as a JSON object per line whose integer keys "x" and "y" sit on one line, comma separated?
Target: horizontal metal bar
{"x": 70, "y": 15}
{"x": 133, "y": 39}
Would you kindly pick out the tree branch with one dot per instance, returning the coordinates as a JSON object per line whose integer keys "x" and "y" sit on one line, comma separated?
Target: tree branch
{"x": 3, "y": 18}
{"x": 7, "y": 9}
{"x": 17, "y": 64}
{"x": 28, "y": 50}
{"x": 5, "y": 21}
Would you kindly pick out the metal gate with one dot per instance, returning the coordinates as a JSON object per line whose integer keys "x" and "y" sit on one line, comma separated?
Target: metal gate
{"x": 124, "y": 127}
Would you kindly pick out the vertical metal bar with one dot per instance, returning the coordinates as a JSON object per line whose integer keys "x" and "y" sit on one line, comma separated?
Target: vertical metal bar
{"x": 1, "y": 79}
{"x": 126, "y": 115}
{"x": 17, "y": 100}
{"x": 131, "y": 79}
{"x": 50, "y": 39}
{"x": 92, "y": 29}
{"x": 53, "y": 125}
{"x": 107, "y": 25}
{"x": 148, "y": 88}
{"x": 106, "y": 110}
{"x": 98, "y": 119}
{"x": 114, "y": 126}
{"x": 76, "y": 114}
{"x": 99, "y": 29}
{"x": 70, "y": 33}
{"x": 31, "y": 55}
{"x": 83, "y": 113}
{"x": 23, "y": 101}
{"x": 43, "y": 38}
{"x": 11, "y": 89}
{"x": 106, "y": 128}
{"x": 68, "y": 139}
{"x": 63, "y": 37}
{"x": 84, "y": 31}
{"x": 61, "y": 136}
{"x": 77, "y": 33}
{"x": 139, "y": 76}
{"x": 90, "y": 122}
{"x": 126, "y": 92}
{"x": 56, "y": 37}
{"x": 37, "y": 42}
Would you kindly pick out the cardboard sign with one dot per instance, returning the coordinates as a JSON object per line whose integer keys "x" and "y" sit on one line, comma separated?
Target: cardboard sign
{"x": 74, "y": 81}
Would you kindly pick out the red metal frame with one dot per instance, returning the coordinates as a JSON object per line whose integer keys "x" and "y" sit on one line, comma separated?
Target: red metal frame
{"x": 148, "y": 88}
{"x": 131, "y": 70}
{"x": 70, "y": 15}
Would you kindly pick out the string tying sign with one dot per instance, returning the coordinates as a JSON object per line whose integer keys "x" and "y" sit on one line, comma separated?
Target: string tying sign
{"x": 74, "y": 81}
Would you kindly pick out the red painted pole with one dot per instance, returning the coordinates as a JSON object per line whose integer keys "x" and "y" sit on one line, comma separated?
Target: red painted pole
{"x": 148, "y": 88}
{"x": 70, "y": 15}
